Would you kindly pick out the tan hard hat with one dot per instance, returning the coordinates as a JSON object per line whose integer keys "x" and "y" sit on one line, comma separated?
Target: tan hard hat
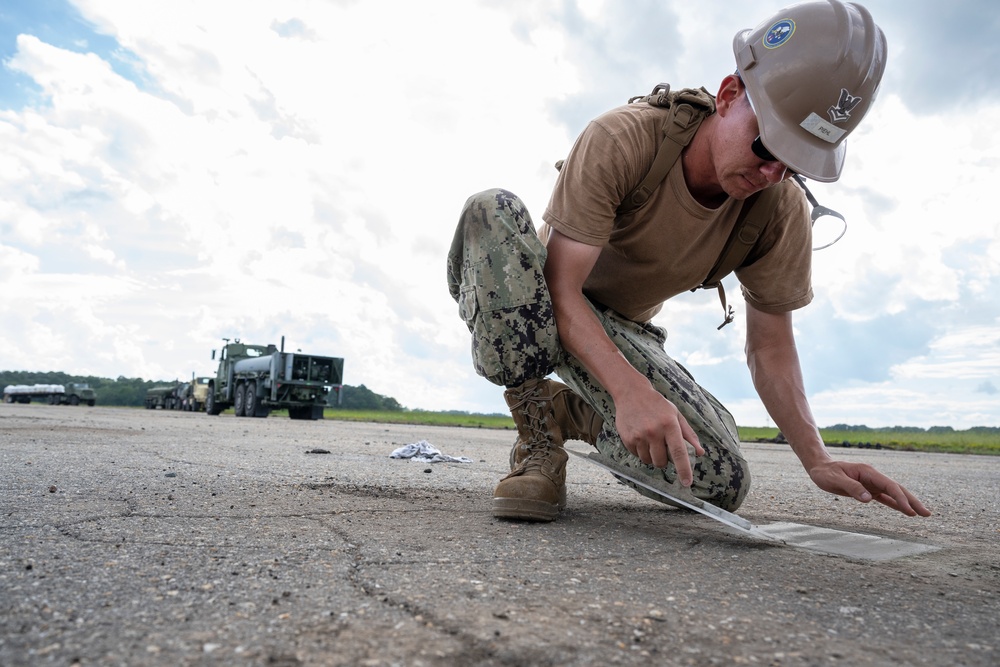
{"x": 812, "y": 72}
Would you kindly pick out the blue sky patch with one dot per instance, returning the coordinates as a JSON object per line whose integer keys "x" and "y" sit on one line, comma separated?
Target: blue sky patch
{"x": 59, "y": 23}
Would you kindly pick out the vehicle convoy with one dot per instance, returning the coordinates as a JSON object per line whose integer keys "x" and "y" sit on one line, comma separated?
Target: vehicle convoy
{"x": 187, "y": 396}
{"x": 255, "y": 379}
{"x": 165, "y": 396}
{"x": 73, "y": 393}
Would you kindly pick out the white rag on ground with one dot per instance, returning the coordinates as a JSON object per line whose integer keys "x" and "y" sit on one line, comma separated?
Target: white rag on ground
{"x": 425, "y": 452}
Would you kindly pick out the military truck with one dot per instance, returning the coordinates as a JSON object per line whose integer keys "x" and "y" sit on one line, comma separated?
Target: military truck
{"x": 255, "y": 379}
{"x": 187, "y": 396}
{"x": 73, "y": 393}
{"x": 196, "y": 394}
{"x": 165, "y": 396}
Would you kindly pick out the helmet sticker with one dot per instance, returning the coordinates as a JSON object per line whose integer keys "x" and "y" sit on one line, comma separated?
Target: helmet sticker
{"x": 818, "y": 126}
{"x": 841, "y": 111}
{"x": 779, "y": 33}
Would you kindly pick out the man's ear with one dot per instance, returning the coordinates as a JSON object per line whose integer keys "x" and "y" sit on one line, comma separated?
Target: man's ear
{"x": 731, "y": 91}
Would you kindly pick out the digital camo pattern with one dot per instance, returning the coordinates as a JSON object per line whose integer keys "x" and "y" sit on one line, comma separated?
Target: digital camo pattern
{"x": 495, "y": 275}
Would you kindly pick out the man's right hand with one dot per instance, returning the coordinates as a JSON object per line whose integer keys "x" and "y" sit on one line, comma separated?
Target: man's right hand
{"x": 653, "y": 429}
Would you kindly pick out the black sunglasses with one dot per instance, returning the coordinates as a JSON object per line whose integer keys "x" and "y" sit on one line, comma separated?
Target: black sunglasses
{"x": 760, "y": 150}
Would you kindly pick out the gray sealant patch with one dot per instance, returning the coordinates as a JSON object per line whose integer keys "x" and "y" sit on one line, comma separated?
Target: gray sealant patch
{"x": 843, "y": 543}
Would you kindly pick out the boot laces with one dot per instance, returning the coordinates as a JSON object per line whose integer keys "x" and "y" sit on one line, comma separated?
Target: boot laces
{"x": 538, "y": 446}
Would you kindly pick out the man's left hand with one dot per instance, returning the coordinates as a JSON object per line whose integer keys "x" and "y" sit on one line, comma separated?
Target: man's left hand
{"x": 864, "y": 483}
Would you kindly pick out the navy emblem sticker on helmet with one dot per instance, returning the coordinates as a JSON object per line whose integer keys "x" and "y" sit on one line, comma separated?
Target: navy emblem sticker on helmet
{"x": 779, "y": 33}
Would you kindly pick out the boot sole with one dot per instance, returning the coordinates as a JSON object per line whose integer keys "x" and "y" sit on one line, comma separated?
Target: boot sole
{"x": 525, "y": 509}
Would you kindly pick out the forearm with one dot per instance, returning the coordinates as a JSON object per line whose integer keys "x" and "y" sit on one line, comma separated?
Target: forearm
{"x": 580, "y": 331}
{"x": 582, "y": 335}
{"x": 649, "y": 425}
{"x": 777, "y": 376}
{"x": 779, "y": 384}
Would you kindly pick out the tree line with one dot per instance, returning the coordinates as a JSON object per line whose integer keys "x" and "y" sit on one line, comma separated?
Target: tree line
{"x": 983, "y": 430}
{"x": 131, "y": 392}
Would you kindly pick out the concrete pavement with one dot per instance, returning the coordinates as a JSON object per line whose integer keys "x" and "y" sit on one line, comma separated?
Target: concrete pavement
{"x": 138, "y": 537}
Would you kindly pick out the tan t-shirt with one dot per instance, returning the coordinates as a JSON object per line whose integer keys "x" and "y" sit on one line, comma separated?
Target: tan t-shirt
{"x": 670, "y": 244}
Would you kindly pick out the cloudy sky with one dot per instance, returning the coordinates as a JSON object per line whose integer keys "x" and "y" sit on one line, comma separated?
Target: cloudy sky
{"x": 175, "y": 173}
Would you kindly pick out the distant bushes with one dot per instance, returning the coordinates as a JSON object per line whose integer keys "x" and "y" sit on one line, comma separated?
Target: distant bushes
{"x": 975, "y": 430}
{"x": 363, "y": 398}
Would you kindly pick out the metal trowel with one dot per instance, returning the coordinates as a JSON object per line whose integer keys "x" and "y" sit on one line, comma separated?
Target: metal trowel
{"x": 812, "y": 538}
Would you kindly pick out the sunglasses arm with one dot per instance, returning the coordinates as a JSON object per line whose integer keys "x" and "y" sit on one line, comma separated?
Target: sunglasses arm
{"x": 820, "y": 211}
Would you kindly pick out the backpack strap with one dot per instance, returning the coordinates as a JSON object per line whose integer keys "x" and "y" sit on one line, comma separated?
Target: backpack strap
{"x": 688, "y": 107}
{"x": 757, "y": 210}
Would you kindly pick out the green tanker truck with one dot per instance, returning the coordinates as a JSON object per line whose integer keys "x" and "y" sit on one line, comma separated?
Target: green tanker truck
{"x": 255, "y": 379}
{"x": 166, "y": 397}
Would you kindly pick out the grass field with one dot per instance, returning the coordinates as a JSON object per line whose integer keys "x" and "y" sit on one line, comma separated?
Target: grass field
{"x": 956, "y": 442}
{"x": 423, "y": 418}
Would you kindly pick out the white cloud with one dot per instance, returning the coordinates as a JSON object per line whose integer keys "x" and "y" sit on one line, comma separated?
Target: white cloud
{"x": 950, "y": 356}
{"x": 266, "y": 185}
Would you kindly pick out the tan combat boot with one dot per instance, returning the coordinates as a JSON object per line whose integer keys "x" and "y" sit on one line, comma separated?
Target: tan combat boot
{"x": 576, "y": 419}
{"x": 546, "y": 412}
{"x": 535, "y": 489}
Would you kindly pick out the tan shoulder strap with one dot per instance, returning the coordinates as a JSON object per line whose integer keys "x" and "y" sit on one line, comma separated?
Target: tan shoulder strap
{"x": 757, "y": 210}
{"x": 688, "y": 107}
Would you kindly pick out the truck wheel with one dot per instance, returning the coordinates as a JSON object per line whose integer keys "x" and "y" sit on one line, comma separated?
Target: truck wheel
{"x": 250, "y": 399}
{"x": 74, "y": 400}
{"x": 211, "y": 407}
{"x": 239, "y": 399}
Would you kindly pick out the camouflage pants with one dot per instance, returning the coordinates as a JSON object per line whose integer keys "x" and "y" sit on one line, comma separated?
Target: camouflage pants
{"x": 495, "y": 274}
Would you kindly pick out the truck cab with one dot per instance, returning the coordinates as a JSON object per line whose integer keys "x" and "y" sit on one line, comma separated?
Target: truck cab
{"x": 79, "y": 392}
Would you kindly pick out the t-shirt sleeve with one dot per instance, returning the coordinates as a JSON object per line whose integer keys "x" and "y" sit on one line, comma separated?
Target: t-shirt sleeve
{"x": 602, "y": 167}
{"x": 780, "y": 279}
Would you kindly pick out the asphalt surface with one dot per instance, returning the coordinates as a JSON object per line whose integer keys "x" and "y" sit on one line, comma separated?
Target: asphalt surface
{"x": 134, "y": 537}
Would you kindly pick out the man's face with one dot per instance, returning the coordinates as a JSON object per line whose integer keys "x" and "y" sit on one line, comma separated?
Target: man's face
{"x": 741, "y": 173}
